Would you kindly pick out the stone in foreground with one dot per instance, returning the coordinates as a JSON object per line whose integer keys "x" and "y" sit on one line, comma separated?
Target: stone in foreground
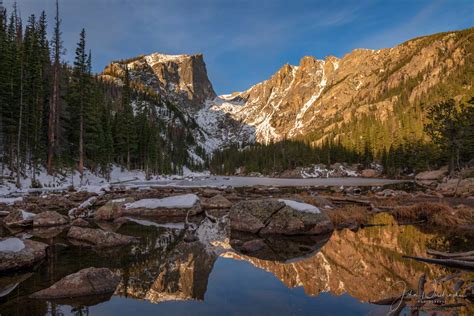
{"x": 80, "y": 222}
{"x": 16, "y": 253}
{"x": 279, "y": 217}
{"x": 49, "y": 218}
{"x": 98, "y": 237}
{"x": 19, "y": 218}
{"x": 173, "y": 208}
{"x": 86, "y": 282}
{"x": 111, "y": 210}
{"x": 216, "y": 202}
{"x": 431, "y": 177}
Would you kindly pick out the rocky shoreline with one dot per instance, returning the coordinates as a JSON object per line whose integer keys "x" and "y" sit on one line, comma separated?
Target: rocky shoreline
{"x": 268, "y": 223}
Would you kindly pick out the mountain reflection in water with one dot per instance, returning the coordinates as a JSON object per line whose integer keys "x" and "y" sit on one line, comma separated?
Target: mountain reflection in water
{"x": 167, "y": 273}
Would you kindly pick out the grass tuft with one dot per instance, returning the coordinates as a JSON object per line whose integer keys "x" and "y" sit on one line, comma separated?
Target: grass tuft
{"x": 437, "y": 214}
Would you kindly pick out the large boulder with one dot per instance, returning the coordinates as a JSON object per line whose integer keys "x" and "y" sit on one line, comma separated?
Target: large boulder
{"x": 49, "y": 218}
{"x": 19, "y": 218}
{"x": 370, "y": 173}
{"x": 48, "y": 232}
{"x": 173, "y": 208}
{"x": 431, "y": 177}
{"x": 98, "y": 237}
{"x": 460, "y": 187}
{"x": 279, "y": 217}
{"x": 80, "y": 222}
{"x": 111, "y": 210}
{"x": 10, "y": 282}
{"x": 216, "y": 202}
{"x": 86, "y": 282}
{"x": 16, "y": 253}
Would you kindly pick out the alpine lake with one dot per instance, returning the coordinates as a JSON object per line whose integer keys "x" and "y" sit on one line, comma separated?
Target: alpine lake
{"x": 166, "y": 273}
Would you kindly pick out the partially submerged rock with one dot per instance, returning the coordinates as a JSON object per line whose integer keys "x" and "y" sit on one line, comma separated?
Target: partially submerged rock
{"x": 98, "y": 237}
{"x": 431, "y": 177}
{"x": 19, "y": 218}
{"x": 16, "y": 253}
{"x": 279, "y": 217}
{"x": 209, "y": 192}
{"x": 111, "y": 210}
{"x": 49, "y": 218}
{"x": 86, "y": 282}
{"x": 458, "y": 187}
{"x": 80, "y": 222}
{"x": 370, "y": 173}
{"x": 48, "y": 232}
{"x": 10, "y": 282}
{"x": 170, "y": 208}
{"x": 216, "y": 202}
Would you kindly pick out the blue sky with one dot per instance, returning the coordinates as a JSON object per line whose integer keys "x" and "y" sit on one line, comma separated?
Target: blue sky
{"x": 246, "y": 41}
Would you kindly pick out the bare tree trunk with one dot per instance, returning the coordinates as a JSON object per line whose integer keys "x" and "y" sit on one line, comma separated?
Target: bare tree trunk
{"x": 128, "y": 157}
{"x": 53, "y": 118}
{"x": 2, "y": 148}
{"x": 52, "y": 121}
{"x": 81, "y": 140}
{"x": 18, "y": 140}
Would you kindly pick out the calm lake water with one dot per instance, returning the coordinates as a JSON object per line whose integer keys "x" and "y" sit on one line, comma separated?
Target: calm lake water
{"x": 167, "y": 275}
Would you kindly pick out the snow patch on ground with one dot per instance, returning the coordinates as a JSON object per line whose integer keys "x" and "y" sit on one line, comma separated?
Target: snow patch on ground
{"x": 118, "y": 200}
{"x": 91, "y": 182}
{"x": 187, "y": 173}
{"x": 12, "y": 245}
{"x": 178, "y": 201}
{"x": 150, "y": 223}
{"x": 27, "y": 215}
{"x": 302, "y": 207}
{"x": 10, "y": 201}
{"x": 319, "y": 171}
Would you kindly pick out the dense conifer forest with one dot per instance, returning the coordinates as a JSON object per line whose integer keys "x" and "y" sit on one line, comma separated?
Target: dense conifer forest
{"x": 60, "y": 117}
{"x": 447, "y": 138}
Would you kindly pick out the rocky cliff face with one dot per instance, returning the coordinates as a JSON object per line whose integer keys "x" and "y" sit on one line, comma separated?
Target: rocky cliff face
{"x": 322, "y": 95}
{"x": 317, "y": 98}
{"x": 178, "y": 78}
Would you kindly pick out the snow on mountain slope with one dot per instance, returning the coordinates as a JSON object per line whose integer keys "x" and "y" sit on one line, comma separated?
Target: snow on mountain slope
{"x": 317, "y": 96}
{"x": 219, "y": 121}
{"x": 276, "y": 108}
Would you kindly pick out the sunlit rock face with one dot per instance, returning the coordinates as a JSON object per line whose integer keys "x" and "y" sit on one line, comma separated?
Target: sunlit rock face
{"x": 178, "y": 78}
{"x": 320, "y": 95}
{"x": 317, "y": 97}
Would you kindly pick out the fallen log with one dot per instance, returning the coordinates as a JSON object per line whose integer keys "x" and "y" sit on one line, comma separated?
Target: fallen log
{"x": 447, "y": 278}
{"x": 466, "y": 265}
{"x": 458, "y": 285}
{"x": 448, "y": 254}
{"x": 471, "y": 258}
{"x": 441, "y": 307}
{"x": 337, "y": 200}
